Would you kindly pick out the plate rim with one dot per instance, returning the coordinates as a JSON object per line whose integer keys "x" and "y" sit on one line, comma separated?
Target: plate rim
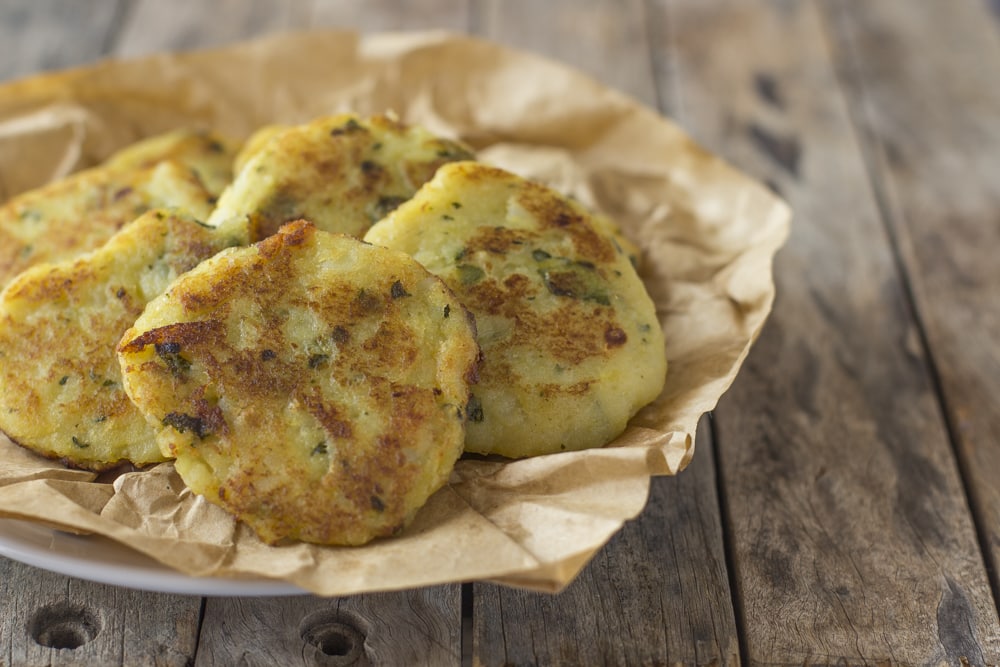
{"x": 22, "y": 541}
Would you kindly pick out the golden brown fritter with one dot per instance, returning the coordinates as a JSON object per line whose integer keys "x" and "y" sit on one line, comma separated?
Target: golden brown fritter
{"x": 61, "y": 220}
{"x": 572, "y": 347}
{"x": 208, "y": 154}
{"x": 255, "y": 143}
{"x": 341, "y": 173}
{"x": 312, "y": 385}
{"x": 60, "y": 385}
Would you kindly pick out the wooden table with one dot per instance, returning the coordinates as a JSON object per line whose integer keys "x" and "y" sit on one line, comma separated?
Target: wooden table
{"x": 843, "y": 506}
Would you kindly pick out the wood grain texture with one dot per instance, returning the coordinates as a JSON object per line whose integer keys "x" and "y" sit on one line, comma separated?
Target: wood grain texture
{"x": 658, "y": 593}
{"x": 605, "y": 38}
{"x": 851, "y": 537}
{"x": 655, "y": 595}
{"x": 414, "y": 628}
{"x": 153, "y": 26}
{"x": 845, "y": 511}
{"x": 48, "y": 619}
{"x": 33, "y": 33}
{"x": 933, "y": 131}
{"x": 386, "y": 15}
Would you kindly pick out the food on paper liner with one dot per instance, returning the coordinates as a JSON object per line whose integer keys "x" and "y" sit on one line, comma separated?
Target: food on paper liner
{"x": 317, "y": 386}
{"x": 572, "y": 348}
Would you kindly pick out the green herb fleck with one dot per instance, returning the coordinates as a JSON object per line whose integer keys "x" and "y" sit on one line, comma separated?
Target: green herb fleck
{"x": 456, "y": 205}
{"x": 384, "y": 206}
{"x": 170, "y": 353}
{"x": 100, "y": 418}
{"x": 63, "y": 380}
{"x": 184, "y": 423}
{"x": 469, "y": 274}
{"x": 318, "y": 360}
{"x": 351, "y": 125}
{"x": 575, "y": 279}
{"x": 474, "y": 409}
{"x": 397, "y": 291}
{"x": 447, "y": 217}
{"x": 80, "y": 443}
{"x": 377, "y": 504}
{"x": 320, "y": 448}
{"x": 447, "y": 310}
{"x": 577, "y": 283}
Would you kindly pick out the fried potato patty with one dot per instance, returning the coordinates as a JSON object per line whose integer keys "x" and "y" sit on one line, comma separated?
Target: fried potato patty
{"x": 254, "y": 143}
{"x": 60, "y": 384}
{"x": 209, "y": 155}
{"x": 571, "y": 344}
{"x": 312, "y": 385}
{"x": 342, "y": 173}
{"x": 77, "y": 214}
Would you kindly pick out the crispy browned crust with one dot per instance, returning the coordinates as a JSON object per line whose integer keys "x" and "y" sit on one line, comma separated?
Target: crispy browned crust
{"x": 332, "y": 431}
{"x": 69, "y": 217}
{"x": 61, "y": 392}
{"x": 341, "y": 172}
{"x": 571, "y": 343}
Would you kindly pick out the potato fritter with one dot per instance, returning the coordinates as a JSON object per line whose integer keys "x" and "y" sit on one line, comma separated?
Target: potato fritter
{"x": 209, "y": 155}
{"x": 61, "y": 392}
{"x": 61, "y": 220}
{"x": 342, "y": 173}
{"x": 572, "y": 347}
{"x": 312, "y": 385}
{"x": 254, "y": 143}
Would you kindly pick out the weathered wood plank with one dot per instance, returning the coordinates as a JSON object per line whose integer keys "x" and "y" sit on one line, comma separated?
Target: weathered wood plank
{"x": 934, "y": 132}
{"x": 49, "y": 34}
{"x": 413, "y": 628}
{"x": 606, "y": 38}
{"x": 384, "y": 15}
{"x": 851, "y": 539}
{"x": 48, "y": 619}
{"x": 153, "y": 26}
{"x": 658, "y": 592}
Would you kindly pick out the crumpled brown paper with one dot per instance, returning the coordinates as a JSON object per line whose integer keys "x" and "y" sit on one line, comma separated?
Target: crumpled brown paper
{"x": 708, "y": 235}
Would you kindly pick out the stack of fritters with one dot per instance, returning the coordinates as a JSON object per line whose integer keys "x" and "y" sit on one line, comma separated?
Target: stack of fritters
{"x": 60, "y": 385}
{"x": 59, "y": 221}
{"x": 316, "y": 386}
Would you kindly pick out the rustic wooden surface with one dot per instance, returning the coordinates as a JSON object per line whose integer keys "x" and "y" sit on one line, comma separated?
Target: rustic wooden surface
{"x": 844, "y": 504}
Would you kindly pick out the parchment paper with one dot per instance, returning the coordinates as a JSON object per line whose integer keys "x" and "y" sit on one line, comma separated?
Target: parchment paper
{"x": 708, "y": 235}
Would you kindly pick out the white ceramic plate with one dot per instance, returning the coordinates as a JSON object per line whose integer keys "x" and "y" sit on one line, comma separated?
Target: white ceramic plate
{"x": 100, "y": 559}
